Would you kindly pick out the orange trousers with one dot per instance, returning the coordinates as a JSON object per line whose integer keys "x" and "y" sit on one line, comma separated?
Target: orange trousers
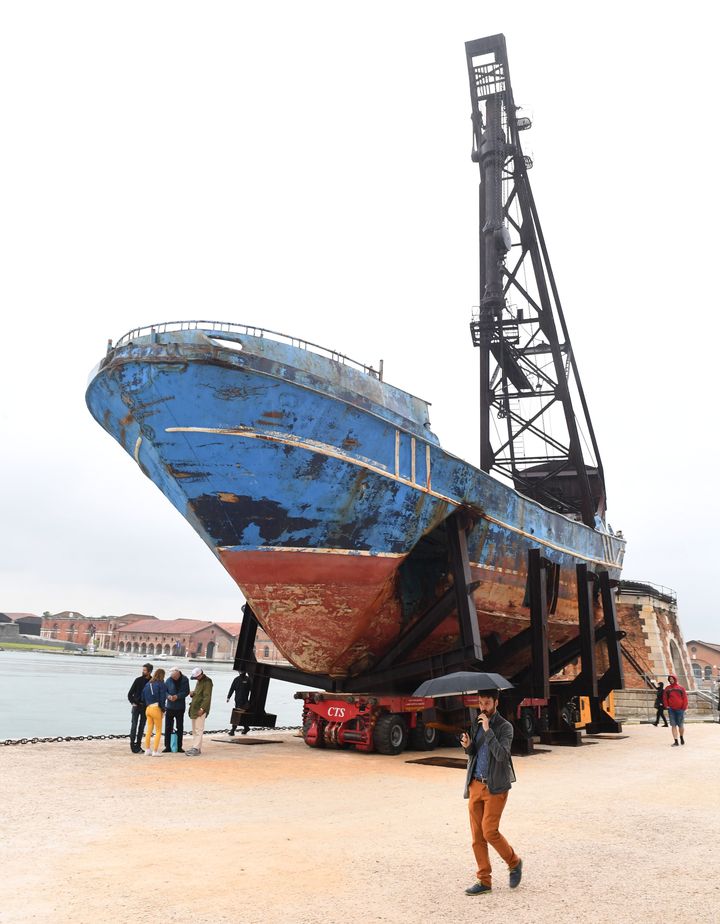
{"x": 485, "y": 811}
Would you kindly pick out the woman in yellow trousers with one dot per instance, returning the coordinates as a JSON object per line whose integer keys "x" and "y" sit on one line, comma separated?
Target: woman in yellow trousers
{"x": 155, "y": 697}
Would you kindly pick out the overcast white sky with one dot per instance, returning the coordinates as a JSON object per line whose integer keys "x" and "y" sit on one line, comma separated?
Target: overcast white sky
{"x": 305, "y": 166}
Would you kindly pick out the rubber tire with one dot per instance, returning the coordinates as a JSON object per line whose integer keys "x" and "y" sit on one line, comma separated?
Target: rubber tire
{"x": 320, "y": 743}
{"x": 390, "y": 734}
{"x": 526, "y": 723}
{"x": 422, "y": 738}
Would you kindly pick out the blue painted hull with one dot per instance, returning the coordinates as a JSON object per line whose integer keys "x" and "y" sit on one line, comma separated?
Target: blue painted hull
{"x": 323, "y": 492}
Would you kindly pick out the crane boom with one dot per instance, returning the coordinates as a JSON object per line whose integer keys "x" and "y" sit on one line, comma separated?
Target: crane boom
{"x": 528, "y": 374}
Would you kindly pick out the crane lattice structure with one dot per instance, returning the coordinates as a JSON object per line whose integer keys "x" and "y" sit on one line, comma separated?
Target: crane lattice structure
{"x": 529, "y": 378}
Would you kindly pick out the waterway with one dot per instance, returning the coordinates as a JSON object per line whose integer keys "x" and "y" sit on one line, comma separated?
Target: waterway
{"x": 44, "y": 694}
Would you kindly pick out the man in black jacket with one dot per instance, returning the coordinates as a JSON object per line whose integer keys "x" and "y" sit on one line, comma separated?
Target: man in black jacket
{"x": 178, "y": 688}
{"x": 490, "y": 775}
{"x": 241, "y": 688}
{"x": 137, "y": 721}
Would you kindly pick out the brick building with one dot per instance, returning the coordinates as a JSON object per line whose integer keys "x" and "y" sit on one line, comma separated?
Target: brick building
{"x": 194, "y": 638}
{"x": 101, "y": 631}
{"x": 654, "y": 641}
{"x": 705, "y": 662}
{"x": 148, "y": 636}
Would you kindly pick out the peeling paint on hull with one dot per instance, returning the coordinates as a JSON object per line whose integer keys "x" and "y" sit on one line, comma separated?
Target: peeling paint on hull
{"x": 323, "y": 493}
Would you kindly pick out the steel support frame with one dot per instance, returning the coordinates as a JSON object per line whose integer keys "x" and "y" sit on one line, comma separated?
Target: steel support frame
{"x": 245, "y": 660}
{"x": 614, "y": 676}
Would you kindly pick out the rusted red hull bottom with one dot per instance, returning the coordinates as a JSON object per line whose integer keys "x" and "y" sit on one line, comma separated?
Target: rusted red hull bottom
{"x": 333, "y": 613}
{"x": 319, "y": 607}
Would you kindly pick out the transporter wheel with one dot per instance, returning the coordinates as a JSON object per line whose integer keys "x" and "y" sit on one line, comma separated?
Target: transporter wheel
{"x": 390, "y": 734}
{"x": 526, "y": 723}
{"x": 422, "y": 738}
{"x": 570, "y": 714}
{"x": 315, "y": 738}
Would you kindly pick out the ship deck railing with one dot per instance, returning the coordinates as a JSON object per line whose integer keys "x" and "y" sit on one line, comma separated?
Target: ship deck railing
{"x": 248, "y": 330}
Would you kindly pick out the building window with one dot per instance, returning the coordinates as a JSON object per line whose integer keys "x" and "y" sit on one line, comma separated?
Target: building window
{"x": 266, "y": 651}
{"x": 697, "y": 671}
{"x": 708, "y": 672}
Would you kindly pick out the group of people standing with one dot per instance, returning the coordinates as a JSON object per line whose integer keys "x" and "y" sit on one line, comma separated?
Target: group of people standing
{"x": 151, "y": 697}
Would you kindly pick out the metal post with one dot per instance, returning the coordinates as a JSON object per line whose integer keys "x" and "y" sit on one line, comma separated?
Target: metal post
{"x": 540, "y": 658}
{"x": 460, "y": 566}
{"x": 613, "y": 678}
{"x": 587, "y": 630}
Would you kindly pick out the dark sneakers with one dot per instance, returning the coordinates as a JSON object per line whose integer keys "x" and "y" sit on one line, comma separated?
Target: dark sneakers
{"x": 516, "y": 876}
{"x": 682, "y": 740}
{"x": 478, "y": 889}
{"x": 675, "y": 744}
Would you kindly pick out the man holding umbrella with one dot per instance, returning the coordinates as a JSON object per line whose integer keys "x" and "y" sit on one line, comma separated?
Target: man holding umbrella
{"x": 489, "y": 777}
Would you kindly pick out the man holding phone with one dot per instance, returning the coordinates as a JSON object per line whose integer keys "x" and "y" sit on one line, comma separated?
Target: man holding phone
{"x": 490, "y": 775}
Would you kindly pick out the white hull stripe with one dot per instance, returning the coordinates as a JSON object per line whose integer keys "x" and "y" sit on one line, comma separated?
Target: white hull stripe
{"x": 306, "y": 551}
{"x": 332, "y": 452}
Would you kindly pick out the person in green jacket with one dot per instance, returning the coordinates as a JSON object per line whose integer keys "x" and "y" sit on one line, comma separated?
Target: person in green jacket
{"x": 199, "y": 709}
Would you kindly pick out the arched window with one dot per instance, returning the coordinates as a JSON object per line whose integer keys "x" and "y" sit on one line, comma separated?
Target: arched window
{"x": 266, "y": 651}
{"x": 150, "y": 649}
{"x": 166, "y": 649}
{"x": 708, "y": 672}
{"x": 198, "y": 653}
{"x": 697, "y": 670}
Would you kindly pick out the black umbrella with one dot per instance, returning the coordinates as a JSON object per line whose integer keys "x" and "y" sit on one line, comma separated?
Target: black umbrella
{"x": 462, "y": 682}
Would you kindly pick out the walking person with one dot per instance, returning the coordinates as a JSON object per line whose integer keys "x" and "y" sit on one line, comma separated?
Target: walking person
{"x": 137, "y": 711}
{"x": 178, "y": 689}
{"x": 490, "y": 775}
{"x": 199, "y": 709}
{"x": 675, "y": 700}
{"x": 241, "y": 688}
{"x": 660, "y": 706}
{"x": 154, "y": 696}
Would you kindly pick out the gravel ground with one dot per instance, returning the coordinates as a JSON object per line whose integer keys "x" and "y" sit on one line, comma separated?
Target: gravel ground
{"x": 615, "y": 831}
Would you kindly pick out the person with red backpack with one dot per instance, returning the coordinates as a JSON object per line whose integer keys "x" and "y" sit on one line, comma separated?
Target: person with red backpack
{"x": 675, "y": 700}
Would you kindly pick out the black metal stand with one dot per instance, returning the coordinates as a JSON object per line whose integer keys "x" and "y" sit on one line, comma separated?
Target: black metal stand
{"x": 613, "y": 678}
{"x": 245, "y": 660}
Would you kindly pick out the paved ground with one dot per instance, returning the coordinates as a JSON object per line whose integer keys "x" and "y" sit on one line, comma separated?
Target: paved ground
{"x": 615, "y": 831}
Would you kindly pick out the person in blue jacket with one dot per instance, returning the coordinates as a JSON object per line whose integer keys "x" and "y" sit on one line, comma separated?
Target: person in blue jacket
{"x": 154, "y": 695}
{"x": 178, "y": 688}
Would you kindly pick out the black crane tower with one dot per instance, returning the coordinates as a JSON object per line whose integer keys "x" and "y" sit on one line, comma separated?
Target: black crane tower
{"x": 528, "y": 376}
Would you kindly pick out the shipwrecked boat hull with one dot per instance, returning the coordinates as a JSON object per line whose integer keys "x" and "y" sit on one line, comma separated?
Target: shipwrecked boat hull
{"x": 325, "y": 495}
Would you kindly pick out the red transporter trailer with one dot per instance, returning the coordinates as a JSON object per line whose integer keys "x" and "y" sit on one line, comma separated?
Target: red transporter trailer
{"x": 386, "y": 724}
{"x": 389, "y": 724}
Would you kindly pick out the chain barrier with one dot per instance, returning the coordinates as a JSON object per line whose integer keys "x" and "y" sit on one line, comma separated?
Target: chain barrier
{"x": 54, "y": 739}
